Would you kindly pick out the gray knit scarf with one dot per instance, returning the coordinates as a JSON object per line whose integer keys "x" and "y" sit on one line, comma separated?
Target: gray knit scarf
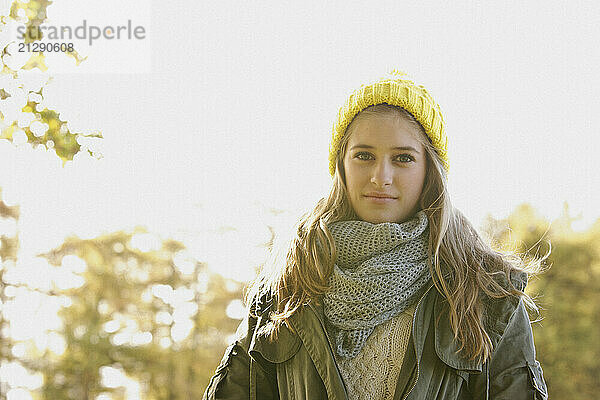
{"x": 380, "y": 270}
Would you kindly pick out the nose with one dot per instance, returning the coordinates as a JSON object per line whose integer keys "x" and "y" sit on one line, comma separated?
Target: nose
{"x": 382, "y": 174}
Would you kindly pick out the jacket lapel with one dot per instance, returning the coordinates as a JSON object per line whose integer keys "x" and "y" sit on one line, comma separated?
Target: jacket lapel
{"x": 309, "y": 323}
{"x": 309, "y": 330}
{"x": 446, "y": 346}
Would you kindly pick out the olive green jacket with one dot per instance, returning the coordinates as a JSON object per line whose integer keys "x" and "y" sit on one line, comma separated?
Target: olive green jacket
{"x": 301, "y": 365}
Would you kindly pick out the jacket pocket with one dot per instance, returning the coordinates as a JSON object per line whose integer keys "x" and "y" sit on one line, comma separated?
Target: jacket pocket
{"x": 536, "y": 378}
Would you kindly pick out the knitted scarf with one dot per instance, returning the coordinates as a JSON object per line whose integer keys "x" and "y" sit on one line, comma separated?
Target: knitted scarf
{"x": 380, "y": 270}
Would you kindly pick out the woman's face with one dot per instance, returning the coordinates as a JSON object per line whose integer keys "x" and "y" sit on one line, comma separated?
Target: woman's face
{"x": 385, "y": 169}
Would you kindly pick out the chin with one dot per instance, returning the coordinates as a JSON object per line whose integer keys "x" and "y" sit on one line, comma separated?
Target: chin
{"x": 380, "y": 219}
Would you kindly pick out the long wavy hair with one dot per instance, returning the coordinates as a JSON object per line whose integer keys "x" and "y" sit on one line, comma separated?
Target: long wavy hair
{"x": 463, "y": 266}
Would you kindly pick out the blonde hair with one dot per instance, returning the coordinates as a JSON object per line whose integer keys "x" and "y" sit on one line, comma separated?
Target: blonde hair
{"x": 463, "y": 265}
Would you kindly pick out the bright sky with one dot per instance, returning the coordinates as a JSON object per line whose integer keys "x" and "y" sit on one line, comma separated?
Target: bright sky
{"x": 235, "y": 116}
{"x": 224, "y": 112}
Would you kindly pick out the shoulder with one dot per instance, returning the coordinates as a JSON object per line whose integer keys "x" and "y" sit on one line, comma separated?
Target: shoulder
{"x": 498, "y": 312}
{"x": 518, "y": 279}
{"x": 262, "y": 303}
{"x": 259, "y": 304}
{"x": 265, "y": 343}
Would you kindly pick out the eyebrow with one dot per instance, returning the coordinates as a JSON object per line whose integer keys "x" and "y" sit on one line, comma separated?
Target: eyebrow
{"x": 366, "y": 146}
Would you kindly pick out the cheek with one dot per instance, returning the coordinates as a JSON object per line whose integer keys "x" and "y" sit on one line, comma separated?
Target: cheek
{"x": 348, "y": 173}
{"x": 353, "y": 179}
{"x": 413, "y": 183}
{"x": 419, "y": 183}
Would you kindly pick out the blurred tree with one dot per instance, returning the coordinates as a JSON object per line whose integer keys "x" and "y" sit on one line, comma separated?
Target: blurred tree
{"x": 568, "y": 294}
{"x": 9, "y": 245}
{"x": 22, "y": 113}
{"x": 151, "y": 316}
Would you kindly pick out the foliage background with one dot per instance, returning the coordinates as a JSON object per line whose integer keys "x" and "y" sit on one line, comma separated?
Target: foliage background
{"x": 135, "y": 314}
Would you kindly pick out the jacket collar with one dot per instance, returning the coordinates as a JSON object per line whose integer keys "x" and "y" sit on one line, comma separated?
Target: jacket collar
{"x": 308, "y": 321}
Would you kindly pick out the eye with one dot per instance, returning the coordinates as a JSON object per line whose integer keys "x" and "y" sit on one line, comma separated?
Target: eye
{"x": 363, "y": 155}
{"x": 404, "y": 158}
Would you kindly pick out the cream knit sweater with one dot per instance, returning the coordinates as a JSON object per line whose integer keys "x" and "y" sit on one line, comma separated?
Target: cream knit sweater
{"x": 374, "y": 372}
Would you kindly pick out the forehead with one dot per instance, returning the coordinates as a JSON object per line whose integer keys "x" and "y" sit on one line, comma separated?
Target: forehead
{"x": 382, "y": 131}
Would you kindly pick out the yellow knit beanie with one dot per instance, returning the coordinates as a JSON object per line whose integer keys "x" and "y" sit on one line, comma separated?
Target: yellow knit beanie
{"x": 397, "y": 90}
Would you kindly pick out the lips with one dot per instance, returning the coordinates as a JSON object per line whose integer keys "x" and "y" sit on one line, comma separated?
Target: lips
{"x": 380, "y": 198}
{"x": 379, "y": 195}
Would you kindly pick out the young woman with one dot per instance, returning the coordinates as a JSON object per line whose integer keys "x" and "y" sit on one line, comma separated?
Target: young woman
{"x": 386, "y": 290}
